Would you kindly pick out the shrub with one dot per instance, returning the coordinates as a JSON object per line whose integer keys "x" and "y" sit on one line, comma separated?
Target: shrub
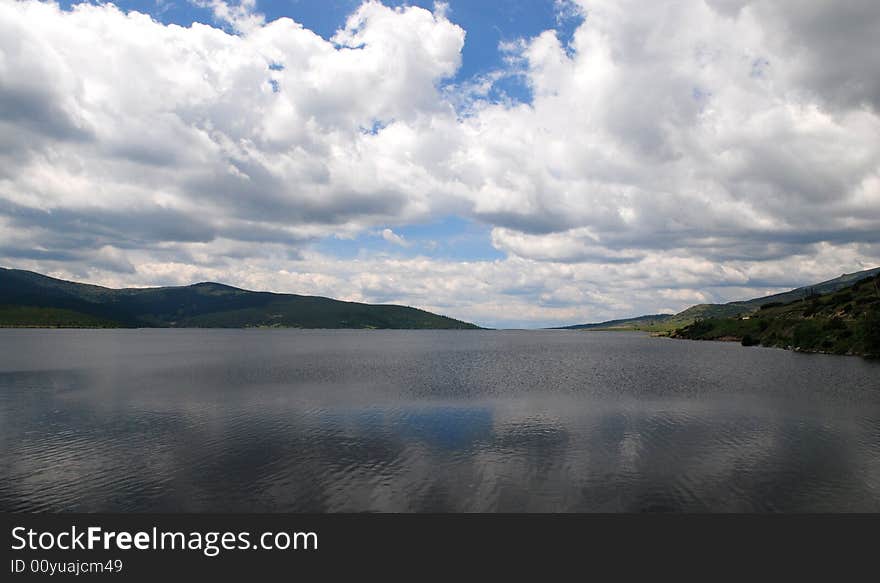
{"x": 771, "y": 305}
{"x": 698, "y": 328}
{"x": 806, "y": 335}
{"x": 749, "y": 340}
{"x": 871, "y": 332}
{"x": 843, "y": 297}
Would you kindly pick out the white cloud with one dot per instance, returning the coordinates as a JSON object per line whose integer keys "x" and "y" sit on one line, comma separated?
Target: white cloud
{"x": 394, "y": 238}
{"x": 241, "y": 17}
{"x": 673, "y": 153}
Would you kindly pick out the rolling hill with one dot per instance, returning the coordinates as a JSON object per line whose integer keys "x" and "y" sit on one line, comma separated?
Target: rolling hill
{"x": 29, "y": 299}
{"x": 670, "y": 322}
{"x": 845, "y": 321}
{"x": 637, "y": 323}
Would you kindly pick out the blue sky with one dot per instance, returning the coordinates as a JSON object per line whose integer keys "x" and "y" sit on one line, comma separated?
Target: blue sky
{"x": 448, "y": 238}
{"x": 487, "y": 22}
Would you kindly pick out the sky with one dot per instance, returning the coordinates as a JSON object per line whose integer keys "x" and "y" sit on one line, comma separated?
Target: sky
{"x": 511, "y": 163}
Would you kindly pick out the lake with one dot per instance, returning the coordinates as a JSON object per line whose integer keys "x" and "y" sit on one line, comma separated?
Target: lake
{"x": 429, "y": 421}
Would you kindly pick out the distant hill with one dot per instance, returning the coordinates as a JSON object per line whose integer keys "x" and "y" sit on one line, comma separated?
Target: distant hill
{"x": 845, "y": 321}
{"x": 624, "y": 324}
{"x": 28, "y": 299}
{"x": 669, "y": 322}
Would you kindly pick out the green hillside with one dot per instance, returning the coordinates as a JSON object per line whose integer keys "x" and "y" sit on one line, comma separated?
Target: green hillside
{"x": 664, "y": 323}
{"x": 846, "y": 321}
{"x": 703, "y": 311}
{"x": 29, "y": 299}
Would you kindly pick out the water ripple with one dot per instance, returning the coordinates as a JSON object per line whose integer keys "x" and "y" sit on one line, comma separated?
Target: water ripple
{"x": 221, "y": 421}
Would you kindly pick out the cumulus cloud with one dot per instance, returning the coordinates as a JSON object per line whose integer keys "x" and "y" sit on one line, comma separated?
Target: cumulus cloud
{"x": 672, "y": 152}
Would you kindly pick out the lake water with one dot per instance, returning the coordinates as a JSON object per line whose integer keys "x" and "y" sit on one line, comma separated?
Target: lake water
{"x": 413, "y": 421}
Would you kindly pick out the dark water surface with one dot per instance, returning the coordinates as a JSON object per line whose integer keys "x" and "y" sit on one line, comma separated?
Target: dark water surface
{"x": 285, "y": 420}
